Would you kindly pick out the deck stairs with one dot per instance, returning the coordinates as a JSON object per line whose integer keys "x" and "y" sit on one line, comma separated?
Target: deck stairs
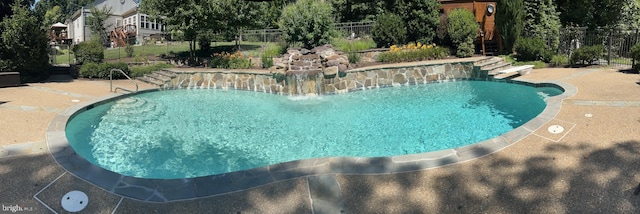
{"x": 158, "y": 78}
{"x": 498, "y": 68}
{"x": 123, "y": 35}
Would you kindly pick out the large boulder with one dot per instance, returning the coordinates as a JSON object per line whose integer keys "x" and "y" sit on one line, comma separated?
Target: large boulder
{"x": 324, "y": 51}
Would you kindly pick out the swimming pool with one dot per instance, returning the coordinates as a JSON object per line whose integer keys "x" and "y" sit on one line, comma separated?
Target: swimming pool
{"x": 191, "y": 133}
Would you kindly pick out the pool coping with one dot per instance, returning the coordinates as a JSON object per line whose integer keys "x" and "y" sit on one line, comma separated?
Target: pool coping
{"x": 167, "y": 190}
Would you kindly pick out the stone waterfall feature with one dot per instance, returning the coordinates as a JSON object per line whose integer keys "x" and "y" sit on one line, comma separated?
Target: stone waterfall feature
{"x": 306, "y": 70}
{"x": 321, "y": 71}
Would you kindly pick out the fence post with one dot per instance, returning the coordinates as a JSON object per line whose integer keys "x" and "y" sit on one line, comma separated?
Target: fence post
{"x": 633, "y": 59}
{"x": 609, "y": 48}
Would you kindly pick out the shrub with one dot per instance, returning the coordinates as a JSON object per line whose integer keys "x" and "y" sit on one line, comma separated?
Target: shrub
{"x": 354, "y": 58}
{"x": 142, "y": 70}
{"x": 463, "y": 30}
{"x": 587, "y": 54}
{"x": 307, "y": 21}
{"x": 267, "y": 61}
{"x": 530, "y": 49}
{"x": 129, "y": 50}
{"x": 228, "y": 60}
{"x": 635, "y": 54}
{"x": 89, "y": 70}
{"x": 346, "y": 45}
{"x": 91, "y": 51}
{"x": 389, "y": 29}
{"x": 269, "y": 53}
{"x": 95, "y": 70}
{"x": 559, "y": 60}
{"x": 412, "y": 52}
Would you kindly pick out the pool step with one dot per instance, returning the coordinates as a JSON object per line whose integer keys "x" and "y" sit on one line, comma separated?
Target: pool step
{"x": 158, "y": 78}
{"x": 488, "y": 61}
{"x": 167, "y": 73}
{"x": 497, "y": 68}
{"x": 483, "y": 60}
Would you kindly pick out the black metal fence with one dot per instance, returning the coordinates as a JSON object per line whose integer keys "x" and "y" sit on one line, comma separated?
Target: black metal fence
{"x": 617, "y": 43}
{"x": 346, "y": 29}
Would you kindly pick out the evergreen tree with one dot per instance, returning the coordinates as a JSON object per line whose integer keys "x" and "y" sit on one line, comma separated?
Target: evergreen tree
{"x": 421, "y": 18}
{"x": 509, "y": 21}
{"x": 542, "y": 21}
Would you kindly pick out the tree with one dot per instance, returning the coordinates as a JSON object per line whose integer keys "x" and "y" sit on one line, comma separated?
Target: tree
{"x": 274, "y": 10}
{"x": 96, "y": 24}
{"x": 463, "y": 29}
{"x": 307, "y": 21}
{"x": 421, "y": 18}
{"x": 509, "y": 21}
{"x": 631, "y": 14}
{"x": 53, "y": 16}
{"x": 6, "y": 6}
{"x": 67, "y": 7}
{"x": 23, "y": 45}
{"x": 590, "y": 13}
{"x": 542, "y": 21}
{"x": 187, "y": 16}
{"x": 242, "y": 15}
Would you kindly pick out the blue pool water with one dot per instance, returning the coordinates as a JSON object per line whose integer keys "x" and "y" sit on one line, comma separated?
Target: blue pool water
{"x": 191, "y": 133}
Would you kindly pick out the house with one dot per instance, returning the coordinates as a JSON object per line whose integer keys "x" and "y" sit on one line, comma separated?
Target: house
{"x": 489, "y": 40}
{"x": 126, "y": 25}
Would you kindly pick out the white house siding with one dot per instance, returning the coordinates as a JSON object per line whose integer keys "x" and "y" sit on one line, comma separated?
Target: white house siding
{"x": 118, "y": 9}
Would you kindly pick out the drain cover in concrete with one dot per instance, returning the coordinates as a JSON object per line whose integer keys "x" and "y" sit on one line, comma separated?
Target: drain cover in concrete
{"x": 555, "y": 129}
{"x": 74, "y": 201}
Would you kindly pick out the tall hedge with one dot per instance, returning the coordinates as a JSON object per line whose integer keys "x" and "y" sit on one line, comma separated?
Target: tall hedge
{"x": 23, "y": 45}
{"x": 309, "y": 22}
{"x": 389, "y": 29}
{"x": 463, "y": 30}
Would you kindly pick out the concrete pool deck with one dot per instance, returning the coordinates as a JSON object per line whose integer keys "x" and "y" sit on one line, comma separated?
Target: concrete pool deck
{"x": 591, "y": 167}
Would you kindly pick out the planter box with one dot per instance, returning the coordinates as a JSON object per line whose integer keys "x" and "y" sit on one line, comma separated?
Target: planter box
{"x": 8, "y": 79}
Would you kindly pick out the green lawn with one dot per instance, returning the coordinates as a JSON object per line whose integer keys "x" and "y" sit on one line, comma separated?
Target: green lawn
{"x": 536, "y": 64}
{"x": 178, "y": 48}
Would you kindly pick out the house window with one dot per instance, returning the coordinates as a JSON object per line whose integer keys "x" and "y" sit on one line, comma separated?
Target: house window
{"x": 153, "y": 25}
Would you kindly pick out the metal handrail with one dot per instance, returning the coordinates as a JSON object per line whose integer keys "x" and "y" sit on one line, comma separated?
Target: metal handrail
{"x": 111, "y": 81}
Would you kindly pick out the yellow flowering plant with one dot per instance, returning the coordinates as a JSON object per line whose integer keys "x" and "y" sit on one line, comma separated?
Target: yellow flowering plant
{"x": 412, "y": 52}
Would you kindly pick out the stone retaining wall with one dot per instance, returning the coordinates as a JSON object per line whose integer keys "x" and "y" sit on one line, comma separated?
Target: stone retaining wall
{"x": 319, "y": 83}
